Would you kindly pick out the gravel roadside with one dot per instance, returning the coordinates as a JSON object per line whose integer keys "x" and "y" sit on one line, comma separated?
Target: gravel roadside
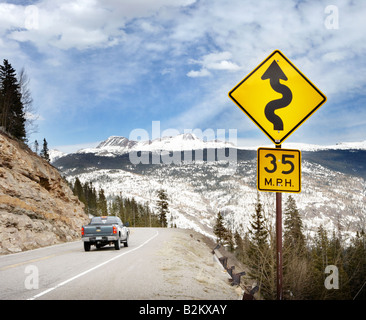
{"x": 190, "y": 271}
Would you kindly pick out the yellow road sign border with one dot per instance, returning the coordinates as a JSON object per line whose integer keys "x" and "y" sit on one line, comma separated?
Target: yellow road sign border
{"x": 278, "y": 150}
{"x": 278, "y": 142}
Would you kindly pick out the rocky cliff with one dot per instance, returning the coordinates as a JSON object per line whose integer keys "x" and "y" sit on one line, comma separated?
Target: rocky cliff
{"x": 37, "y": 207}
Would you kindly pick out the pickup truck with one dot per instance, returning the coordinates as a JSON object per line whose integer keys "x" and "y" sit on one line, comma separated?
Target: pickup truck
{"x": 105, "y": 230}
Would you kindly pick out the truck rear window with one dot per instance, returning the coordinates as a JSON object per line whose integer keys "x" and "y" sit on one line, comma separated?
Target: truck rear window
{"x": 104, "y": 220}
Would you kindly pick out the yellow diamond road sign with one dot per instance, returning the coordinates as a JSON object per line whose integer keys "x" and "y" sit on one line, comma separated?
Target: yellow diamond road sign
{"x": 277, "y": 97}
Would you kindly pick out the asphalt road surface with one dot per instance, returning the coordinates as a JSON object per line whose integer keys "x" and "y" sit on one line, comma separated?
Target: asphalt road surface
{"x": 158, "y": 264}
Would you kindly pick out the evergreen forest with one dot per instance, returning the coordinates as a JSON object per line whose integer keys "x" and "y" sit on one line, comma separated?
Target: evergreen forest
{"x": 309, "y": 264}
{"x": 126, "y": 208}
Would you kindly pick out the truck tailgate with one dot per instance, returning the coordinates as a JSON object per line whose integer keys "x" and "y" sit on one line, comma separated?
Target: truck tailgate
{"x": 98, "y": 230}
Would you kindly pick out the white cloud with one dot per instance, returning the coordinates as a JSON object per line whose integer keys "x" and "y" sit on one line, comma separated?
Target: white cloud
{"x": 200, "y": 73}
{"x": 213, "y": 61}
{"x": 216, "y": 42}
{"x": 75, "y": 147}
{"x": 224, "y": 65}
{"x": 80, "y": 24}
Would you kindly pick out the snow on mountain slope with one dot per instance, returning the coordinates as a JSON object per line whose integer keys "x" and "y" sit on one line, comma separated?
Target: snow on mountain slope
{"x": 55, "y": 154}
{"x": 199, "y": 190}
{"x": 120, "y": 145}
{"x": 187, "y": 141}
{"x": 116, "y": 145}
{"x": 349, "y": 145}
{"x": 115, "y": 141}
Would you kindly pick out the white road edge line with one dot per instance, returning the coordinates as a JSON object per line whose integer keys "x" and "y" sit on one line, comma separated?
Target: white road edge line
{"x": 92, "y": 269}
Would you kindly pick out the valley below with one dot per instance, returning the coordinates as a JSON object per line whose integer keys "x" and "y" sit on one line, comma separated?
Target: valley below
{"x": 333, "y": 185}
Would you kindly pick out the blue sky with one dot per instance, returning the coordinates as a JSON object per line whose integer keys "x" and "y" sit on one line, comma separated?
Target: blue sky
{"x": 105, "y": 67}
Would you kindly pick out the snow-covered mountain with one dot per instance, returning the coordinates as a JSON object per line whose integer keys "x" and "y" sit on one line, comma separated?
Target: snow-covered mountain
{"x": 116, "y": 141}
{"x": 118, "y": 145}
{"x": 115, "y": 145}
{"x": 55, "y": 154}
{"x": 333, "y": 182}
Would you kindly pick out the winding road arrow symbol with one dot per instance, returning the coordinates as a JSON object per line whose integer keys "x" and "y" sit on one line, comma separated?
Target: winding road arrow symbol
{"x": 276, "y": 78}
{"x": 274, "y": 73}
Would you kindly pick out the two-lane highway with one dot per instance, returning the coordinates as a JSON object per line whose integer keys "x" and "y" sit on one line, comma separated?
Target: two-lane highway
{"x": 150, "y": 268}
{"x": 35, "y": 274}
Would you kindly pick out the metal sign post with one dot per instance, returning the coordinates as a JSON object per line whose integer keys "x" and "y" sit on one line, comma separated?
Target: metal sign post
{"x": 279, "y": 241}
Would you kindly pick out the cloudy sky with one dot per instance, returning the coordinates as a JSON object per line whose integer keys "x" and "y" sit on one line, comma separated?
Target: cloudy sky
{"x": 105, "y": 67}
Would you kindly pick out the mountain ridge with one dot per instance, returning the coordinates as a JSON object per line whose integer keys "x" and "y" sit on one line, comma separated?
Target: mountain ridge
{"x": 348, "y": 158}
{"x": 119, "y": 145}
{"x": 188, "y": 141}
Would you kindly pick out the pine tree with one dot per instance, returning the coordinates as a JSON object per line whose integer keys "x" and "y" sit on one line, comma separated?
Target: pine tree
{"x": 78, "y": 191}
{"x": 259, "y": 255}
{"x": 219, "y": 229}
{"x": 44, "y": 152}
{"x": 336, "y": 257}
{"x": 257, "y": 231}
{"x": 239, "y": 250}
{"x": 163, "y": 209}
{"x": 121, "y": 208}
{"x": 296, "y": 265}
{"x": 134, "y": 212}
{"x": 91, "y": 198}
{"x": 113, "y": 208}
{"x": 12, "y": 116}
{"x": 102, "y": 204}
{"x": 320, "y": 259}
{"x": 356, "y": 266}
{"x": 293, "y": 228}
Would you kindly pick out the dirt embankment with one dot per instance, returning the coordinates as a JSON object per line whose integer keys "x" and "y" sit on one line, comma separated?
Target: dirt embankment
{"x": 189, "y": 266}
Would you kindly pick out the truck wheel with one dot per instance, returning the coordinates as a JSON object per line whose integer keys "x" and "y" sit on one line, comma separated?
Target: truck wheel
{"x": 126, "y": 243}
{"x": 117, "y": 244}
{"x": 86, "y": 246}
